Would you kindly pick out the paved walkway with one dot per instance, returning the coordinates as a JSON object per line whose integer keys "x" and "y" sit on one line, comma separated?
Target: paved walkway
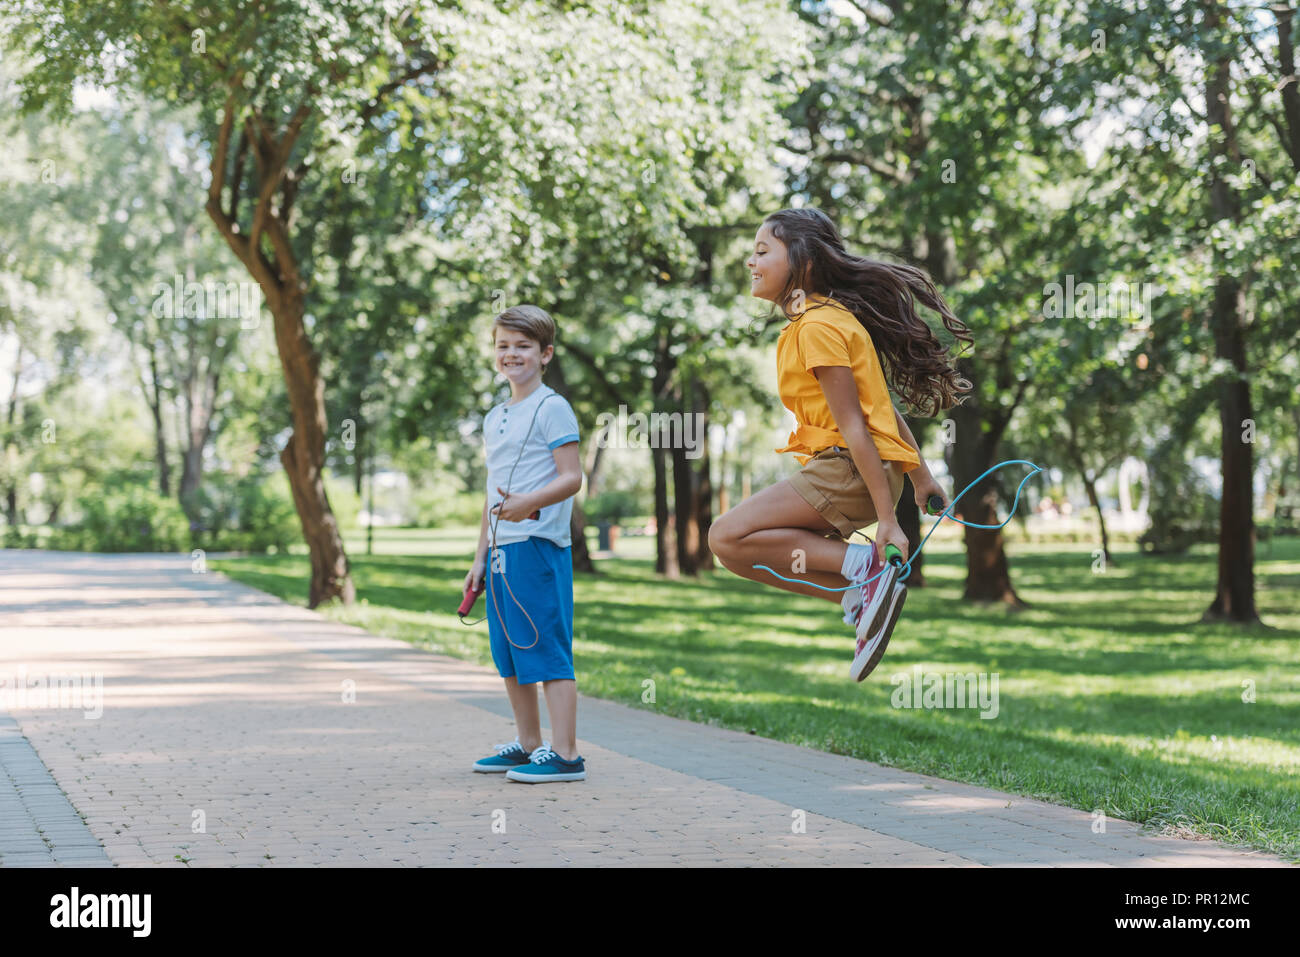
{"x": 225, "y": 739}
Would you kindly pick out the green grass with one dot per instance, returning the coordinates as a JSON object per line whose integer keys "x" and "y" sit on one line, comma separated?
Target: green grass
{"x": 1111, "y": 696}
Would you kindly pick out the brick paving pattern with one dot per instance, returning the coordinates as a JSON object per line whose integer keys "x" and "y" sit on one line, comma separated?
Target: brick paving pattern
{"x": 239, "y": 730}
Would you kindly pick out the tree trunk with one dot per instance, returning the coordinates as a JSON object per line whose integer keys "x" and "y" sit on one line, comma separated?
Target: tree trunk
{"x": 595, "y": 459}
{"x": 661, "y": 389}
{"x": 909, "y": 520}
{"x": 581, "y": 554}
{"x": 578, "y": 534}
{"x": 1090, "y": 486}
{"x": 988, "y": 578}
{"x": 684, "y": 488}
{"x": 284, "y": 288}
{"x": 1234, "y": 599}
{"x": 1288, "y": 89}
{"x": 684, "y": 512}
{"x": 360, "y": 433}
{"x": 703, "y": 485}
{"x": 304, "y": 455}
{"x": 370, "y": 490}
{"x": 940, "y": 257}
{"x": 912, "y": 520}
{"x": 724, "y": 489}
{"x": 582, "y": 560}
{"x": 665, "y": 540}
{"x": 160, "y": 436}
{"x": 199, "y": 410}
{"x": 1074, "y": 453}
{"x": 11, "y": 489}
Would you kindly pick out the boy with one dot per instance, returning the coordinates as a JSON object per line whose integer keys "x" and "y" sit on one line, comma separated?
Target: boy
{"x": 533, "y": 472}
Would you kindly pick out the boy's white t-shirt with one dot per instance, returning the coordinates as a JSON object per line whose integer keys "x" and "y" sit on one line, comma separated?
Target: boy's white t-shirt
{"x": 504, "y": 429}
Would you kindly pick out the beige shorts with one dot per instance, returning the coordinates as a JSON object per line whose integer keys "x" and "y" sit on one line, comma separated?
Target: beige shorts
{"x": 831, "y": 484}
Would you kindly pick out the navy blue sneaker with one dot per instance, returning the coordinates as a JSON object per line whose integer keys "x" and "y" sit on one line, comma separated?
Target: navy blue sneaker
{"x": 508, "y": 756}
{"x": 546, "y": 765}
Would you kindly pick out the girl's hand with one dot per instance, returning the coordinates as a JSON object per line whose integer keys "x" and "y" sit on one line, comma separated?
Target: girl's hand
{"x": 889, "y": 532}
{"x": 514, "y": 507}
{"x": 925, "y": 486}
{"x": 475, "y": 577}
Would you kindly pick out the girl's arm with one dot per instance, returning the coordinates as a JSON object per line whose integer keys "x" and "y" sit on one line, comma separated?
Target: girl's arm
{"x": 841, "y": 393}
{"x": 923, "y": 470}
{"x": 923, "y": 482}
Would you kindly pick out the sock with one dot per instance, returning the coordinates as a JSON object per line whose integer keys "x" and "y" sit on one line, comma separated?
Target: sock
{"x": 857, "y": 559}
{"x": 857, "y": 562}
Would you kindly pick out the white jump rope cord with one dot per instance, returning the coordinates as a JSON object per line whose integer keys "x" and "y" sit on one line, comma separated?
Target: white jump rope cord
{"x": 492, "y": 550}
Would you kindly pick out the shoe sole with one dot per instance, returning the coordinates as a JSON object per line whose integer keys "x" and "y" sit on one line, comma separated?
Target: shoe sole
{"x": 870, "y": 656}
{"x": 497, "y": 770}
{"x": 879, "y": 606}
{"x": 542, "y": 778}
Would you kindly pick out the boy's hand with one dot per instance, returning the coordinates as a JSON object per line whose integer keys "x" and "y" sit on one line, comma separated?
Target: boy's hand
{"x": 889, "y": 532}
{"x": 925, "y": 486}
{"x": 475, "y": 577}
{"x": 514, "y": 507}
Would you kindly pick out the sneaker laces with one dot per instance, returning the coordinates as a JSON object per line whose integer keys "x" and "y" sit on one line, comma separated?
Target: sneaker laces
{"x": 542, "y": 754}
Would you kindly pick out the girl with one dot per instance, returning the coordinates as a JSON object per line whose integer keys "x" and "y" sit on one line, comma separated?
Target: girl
{"x": 852, "y": 443}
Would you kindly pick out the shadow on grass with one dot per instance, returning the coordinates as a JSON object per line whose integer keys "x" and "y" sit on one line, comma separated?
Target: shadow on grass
{"x": 751, "y": 657}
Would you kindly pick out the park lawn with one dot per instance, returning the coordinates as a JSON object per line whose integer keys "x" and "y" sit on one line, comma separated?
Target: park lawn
{"x": 1110, "y": 697}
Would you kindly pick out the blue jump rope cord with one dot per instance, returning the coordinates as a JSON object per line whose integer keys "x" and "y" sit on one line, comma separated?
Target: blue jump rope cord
{"x": 907, "y": 566}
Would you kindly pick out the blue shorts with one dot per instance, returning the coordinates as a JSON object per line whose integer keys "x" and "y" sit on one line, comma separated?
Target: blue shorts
{"x": 531, "y": 586}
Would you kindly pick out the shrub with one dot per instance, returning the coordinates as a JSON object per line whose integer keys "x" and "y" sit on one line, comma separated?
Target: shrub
{"x": 438, "y": 507}
{"x": 613, "y": 506}
{"x": 133, "y": 518}
{"x": 254, "y": 513}
{"x": 1179, "y": 522}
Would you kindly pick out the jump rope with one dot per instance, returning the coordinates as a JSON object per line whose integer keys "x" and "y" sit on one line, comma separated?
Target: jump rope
{"x": 894, "y": 555}
{"x": 471, "y": 596}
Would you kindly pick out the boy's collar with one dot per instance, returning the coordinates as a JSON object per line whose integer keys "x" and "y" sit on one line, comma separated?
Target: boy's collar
{"x": 541, "y": 389}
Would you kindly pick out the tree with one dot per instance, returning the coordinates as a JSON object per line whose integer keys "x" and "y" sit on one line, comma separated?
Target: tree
{"x": 608, "y": 216}
{"x": 287, "y": 90}
{"x": 1218, "y": 130}
{"x": 925, "y": 137}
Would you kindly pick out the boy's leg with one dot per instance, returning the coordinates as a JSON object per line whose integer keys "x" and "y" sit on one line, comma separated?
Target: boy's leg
{"x": 562, "y": 706}
{"x": 523, "y": 699}
{"x": 767, "y": 529}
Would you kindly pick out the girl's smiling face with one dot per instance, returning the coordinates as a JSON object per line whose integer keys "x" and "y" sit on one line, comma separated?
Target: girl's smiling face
{"x": 769, "y": 267}
{"x": 519, "y": 358}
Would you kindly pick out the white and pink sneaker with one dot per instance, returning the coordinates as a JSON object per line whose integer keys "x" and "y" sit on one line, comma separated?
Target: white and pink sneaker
{"x": 867, "y": 611}
{"x": 876, "y": 618}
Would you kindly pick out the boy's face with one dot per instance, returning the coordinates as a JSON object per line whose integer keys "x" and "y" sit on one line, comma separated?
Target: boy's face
{"x": 769, "y": 267}
{"x": 518, "y": 357}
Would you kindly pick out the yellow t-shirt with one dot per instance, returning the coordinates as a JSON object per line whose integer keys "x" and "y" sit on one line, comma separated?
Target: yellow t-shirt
{"x": 827, "y": 334}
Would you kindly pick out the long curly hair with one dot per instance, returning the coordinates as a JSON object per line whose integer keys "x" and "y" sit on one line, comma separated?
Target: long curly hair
{"x": 883, "y": 297}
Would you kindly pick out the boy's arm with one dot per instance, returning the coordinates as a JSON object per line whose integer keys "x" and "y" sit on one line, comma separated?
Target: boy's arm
{"x": 475, "y": 574}
{"x": 522, "y": 504}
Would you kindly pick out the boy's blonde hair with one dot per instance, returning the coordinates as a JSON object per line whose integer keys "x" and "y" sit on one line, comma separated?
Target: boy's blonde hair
{"x": 532, "y": 321}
